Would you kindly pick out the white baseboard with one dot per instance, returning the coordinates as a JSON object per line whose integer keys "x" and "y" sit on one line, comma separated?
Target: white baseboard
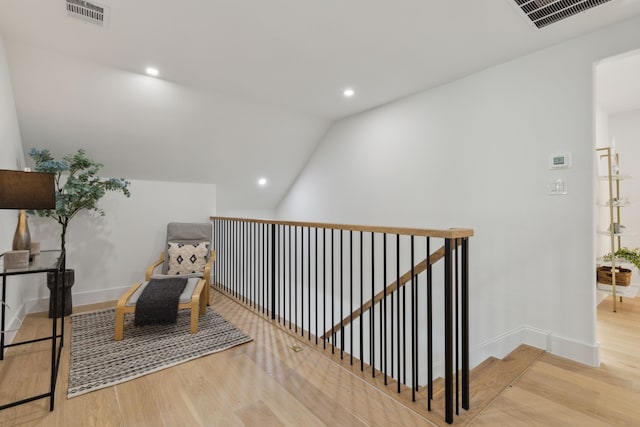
{"x": 79, "y": 298}
{"x": 574, "y": 350}
{"x": 94, "y": 297}
{"x": 504, "y": 344}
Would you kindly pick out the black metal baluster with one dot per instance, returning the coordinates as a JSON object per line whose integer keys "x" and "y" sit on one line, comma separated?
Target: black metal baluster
{"x": 260, "y": 275}
{"x": 246, "y": 260}
{"x": 391, "y": 333}
{"x": 309, "y": 283}
{"x": 256, "y": 265}
{"x": 429, "y": 327}
{"x": 383, "y": 317}
{"x": 226, "y": 255}
{"x": 249, "y": 264}
{"x": 264, "y": 276}
{"x": 234, "y": 265}
{"x": 259, "y": 265}
{"x": 341, "y": 294}
{"x": 302, "y": 280}
{"x": 398, "y": 309}
{"x": 416, "y": 326}
{"x": 316, "y": 283}
{"x": 215, "y": 246}
{"x": 243, "y": 259}
{"x": 231, "y": 259}
{"x": 403, "y": 345}
{"x": 372, "y": 314}
{"x": 455, "y": 290}
{"x": 413, "y": 316}
{"x": 361, "y": 307}
{"x": 295, "y": 277}
{"x": 465, "y": 323}
{"x": 218, "y": 265}
{"x": 255, "y": 270}
{"x": 269, "y": 259}
{"x": 275, "y": 230}
{"x": 333, "y": 335}
{"x": 227, "y": 258}
{"x": 250, "y": 270}
{"x": 283, "y": 288}
{"x": 448, "y": 333}
{"x": 350, "y": 296}
{"x": 324, "y": 288}
{"x": 237, "y": 279}
{"x": 290, "y": 277}
{"x": 220, "y": 250}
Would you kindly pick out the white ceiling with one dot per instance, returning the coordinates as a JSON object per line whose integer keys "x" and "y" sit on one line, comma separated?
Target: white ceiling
{"x": 246, "y": 87}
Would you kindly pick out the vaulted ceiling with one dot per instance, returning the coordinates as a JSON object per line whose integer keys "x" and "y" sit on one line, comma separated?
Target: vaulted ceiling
{"x": 246, "y": 88}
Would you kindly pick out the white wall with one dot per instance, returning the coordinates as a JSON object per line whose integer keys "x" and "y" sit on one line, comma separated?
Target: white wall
{"x": 111, "y": 252}
{"x": 474, "y": 153}
{"x": 11, "y": 158}
{"x": 625, "y": 127}
{"x": 602, "y": 140}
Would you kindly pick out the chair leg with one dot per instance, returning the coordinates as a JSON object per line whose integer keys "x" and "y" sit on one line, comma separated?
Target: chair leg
{"x": 203, "y": 306}
{"x": 195, "y": 305}
{"x": 119, "y": 329}
{"x": 120, "y": 306}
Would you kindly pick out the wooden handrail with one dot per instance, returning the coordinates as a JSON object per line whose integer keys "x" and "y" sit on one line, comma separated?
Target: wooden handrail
{"x": 452, "y": 233}
{"x": 392, "y": 287}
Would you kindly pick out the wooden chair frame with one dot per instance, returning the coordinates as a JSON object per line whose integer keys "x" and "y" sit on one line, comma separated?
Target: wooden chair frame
{"x": 197, "y": 305}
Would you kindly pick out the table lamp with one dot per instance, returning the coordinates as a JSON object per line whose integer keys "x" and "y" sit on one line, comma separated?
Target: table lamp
{"x": 25, "y": 190}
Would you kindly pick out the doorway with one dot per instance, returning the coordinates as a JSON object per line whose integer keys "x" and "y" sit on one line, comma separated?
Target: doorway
{"x": 617, "y": 125}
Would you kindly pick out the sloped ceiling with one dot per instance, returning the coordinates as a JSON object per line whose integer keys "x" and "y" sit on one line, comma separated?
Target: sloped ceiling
{"x": 246, "y": 88}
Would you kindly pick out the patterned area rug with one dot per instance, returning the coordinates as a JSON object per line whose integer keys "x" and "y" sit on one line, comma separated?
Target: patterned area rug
{"x": 97, "y": 361}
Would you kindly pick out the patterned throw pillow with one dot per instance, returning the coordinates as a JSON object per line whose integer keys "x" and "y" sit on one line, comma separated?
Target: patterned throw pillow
{"x": 186, "y": 258}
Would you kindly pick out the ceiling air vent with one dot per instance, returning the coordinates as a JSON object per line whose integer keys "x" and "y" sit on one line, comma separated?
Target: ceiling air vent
{"x": 88, "y": 12}
{"x": 546, "y": 12}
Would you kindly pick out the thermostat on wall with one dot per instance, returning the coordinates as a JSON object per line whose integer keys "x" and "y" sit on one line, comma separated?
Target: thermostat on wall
{"x": 560, "y": 160}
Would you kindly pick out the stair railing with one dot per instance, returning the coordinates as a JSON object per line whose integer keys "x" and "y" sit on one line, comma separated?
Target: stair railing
{"x": 341, "y": 286}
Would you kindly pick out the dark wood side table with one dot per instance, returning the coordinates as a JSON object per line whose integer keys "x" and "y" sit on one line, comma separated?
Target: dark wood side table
{"x": 46, "y": 261}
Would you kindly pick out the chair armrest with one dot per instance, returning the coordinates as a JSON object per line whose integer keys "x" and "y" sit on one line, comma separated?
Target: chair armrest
{"x": 207, "y": 267}
{"x": 153, "y": 266}
{"x": 122, "y": 302}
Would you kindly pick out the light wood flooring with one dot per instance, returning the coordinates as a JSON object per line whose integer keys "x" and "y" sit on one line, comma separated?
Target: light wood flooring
{"x": 265, "y": 383}
{"x": 556, "y": 392}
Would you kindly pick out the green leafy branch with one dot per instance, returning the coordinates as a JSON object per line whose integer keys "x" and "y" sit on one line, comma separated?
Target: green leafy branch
{"x": 629, "y": 255}
{"x": 77, "y": 185}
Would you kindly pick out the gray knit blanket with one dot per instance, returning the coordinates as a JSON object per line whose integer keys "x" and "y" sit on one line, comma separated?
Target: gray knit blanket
{"x": 158, "y": 302}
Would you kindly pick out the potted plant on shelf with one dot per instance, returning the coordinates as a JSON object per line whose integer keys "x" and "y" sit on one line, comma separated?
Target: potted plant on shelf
{"x": 78, "y": 187}
{"x": 629, "y": 255}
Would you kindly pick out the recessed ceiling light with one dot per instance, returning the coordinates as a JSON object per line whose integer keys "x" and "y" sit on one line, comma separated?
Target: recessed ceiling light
{"x": 152, "y": 71}
{"x": 262, "y": 182}
{"x": 348, "y": 92}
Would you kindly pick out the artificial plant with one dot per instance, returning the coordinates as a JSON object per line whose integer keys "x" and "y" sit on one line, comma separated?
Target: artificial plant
{"x": 77, "y": 186}
{"x": 629, "y": 255}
